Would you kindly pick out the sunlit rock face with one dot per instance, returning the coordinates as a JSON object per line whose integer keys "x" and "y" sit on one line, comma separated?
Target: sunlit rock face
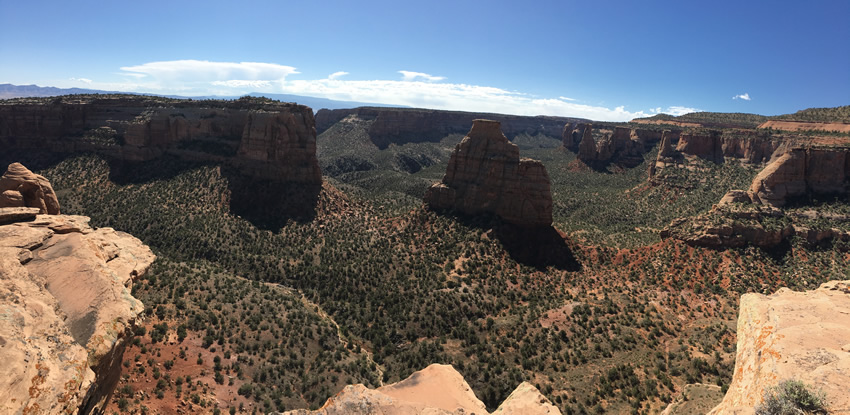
{"x": 792, "y": 335}
{"x": 486, "y": 175}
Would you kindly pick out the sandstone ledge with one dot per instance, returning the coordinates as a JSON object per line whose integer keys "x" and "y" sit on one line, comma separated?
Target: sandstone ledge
{"x": 792, "y": 335}
{"x": 65, "y": 288}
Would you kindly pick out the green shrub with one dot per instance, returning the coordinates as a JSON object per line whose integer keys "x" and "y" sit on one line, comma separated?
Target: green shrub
{"x": 792, "y": 397}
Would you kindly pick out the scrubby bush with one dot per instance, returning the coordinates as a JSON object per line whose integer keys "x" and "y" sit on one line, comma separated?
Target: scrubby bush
{"x": 792, "y": 397}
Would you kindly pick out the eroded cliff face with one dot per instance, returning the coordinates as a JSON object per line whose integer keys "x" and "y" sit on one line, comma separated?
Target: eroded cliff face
{"x": 792, "y": 335}
{"x": 622, "y": 146}
{"x": 485, "y": 175}
{"x": 262, "y": 138}
{"x": 65, "y": 288}
{"x": 437, "y": 389}
{"x": 802, "y": 171}
{"x": 406, "y": 125}
{"x": 721, "y": 146}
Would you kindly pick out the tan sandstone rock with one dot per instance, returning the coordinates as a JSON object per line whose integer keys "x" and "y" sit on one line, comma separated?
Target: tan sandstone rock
{"x": 21, "y": 187}
{"x": 69, "y": 287}
{"x": 435, "y": 390}
{"x": 792, "y": 335}
{"x": 485, "y": 175}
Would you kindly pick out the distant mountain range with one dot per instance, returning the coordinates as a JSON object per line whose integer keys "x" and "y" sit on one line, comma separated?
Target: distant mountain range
{"x": 20, "y": 91}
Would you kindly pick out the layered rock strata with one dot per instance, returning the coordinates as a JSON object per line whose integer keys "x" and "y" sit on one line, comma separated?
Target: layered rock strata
{"x": 800, "y": 172}
{"x": 262, "y": 138}
{"x": 20, "y": 187}
{"x": 486, "y": 175}
{"x": 65, "y": 291}
{"x": 437, "y": 389}
{"x": 407, "y": 125}
{"x": 802, "y": 336}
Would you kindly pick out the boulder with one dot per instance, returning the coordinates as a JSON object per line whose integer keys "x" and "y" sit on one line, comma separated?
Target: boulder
{"x": 21, "y": 187}
{"x": 435, "y": 390}
{"x": 792, "y": 336}
{"x": 486, "y": 175}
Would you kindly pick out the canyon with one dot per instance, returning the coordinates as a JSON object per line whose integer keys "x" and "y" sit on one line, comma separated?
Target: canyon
{"x": 409, "y": 125}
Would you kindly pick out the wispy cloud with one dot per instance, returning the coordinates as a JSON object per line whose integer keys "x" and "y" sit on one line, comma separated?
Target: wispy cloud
{"x": 415, "y": 89}
{"x": 83, "y": 80}
{"x": 242, "y": 83}
{"x": 745, "y": 97}
{"x": 194, "y": 71}
{"x": 677, "y": 110}
{"x": 462, "y": 97}
{"x": 409, "y": 76}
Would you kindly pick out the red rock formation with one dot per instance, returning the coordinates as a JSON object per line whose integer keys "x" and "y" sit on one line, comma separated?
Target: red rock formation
{"x": 20, "y": 187}
{"x": 485, "y": 175}
{"x": 799, "y": 172}
{"x": 587, "y": 145}
{"x": 263, "y": 138}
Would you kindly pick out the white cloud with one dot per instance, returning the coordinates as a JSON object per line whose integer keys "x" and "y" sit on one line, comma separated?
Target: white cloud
{"x": 83, "y": 80}
{"x": 242, "y": 83}
{"x": 461, "y": 97}
{"x": 677, "y": 110}
{"x": 415, "y": 89}
{"x": 745, "y": 97}
{"x": 409, "y": 76}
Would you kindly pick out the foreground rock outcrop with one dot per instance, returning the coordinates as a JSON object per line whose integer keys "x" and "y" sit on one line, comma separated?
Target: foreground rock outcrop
{"x": 262, "y": 138}
{"x": 20, "y": 187}
{"x": 486, "y": 175}
{"x": 65, "y": 294}
{"x": 792, "y": 335}
{"x": 437, "y": 389}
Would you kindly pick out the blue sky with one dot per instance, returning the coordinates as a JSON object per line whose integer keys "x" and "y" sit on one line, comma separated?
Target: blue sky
{"x": 605, "y": 60}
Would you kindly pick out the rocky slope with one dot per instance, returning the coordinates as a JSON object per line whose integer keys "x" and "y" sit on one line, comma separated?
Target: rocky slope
{"x": 20, "y": 187}
{"x": 262, "y": 138}
{"x": 792, "y": 335}
{"x": 437, "y": 389}
{"x": 65, "y": 294}
{"x": 807, "y": 126}
{"x": 485, "y": 175}
{"x": 754, "y": 217}
{"x": 408, "y": 125}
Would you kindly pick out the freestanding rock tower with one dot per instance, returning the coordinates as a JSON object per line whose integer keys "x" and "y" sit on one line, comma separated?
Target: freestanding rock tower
{"x": 486, "y": 175}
